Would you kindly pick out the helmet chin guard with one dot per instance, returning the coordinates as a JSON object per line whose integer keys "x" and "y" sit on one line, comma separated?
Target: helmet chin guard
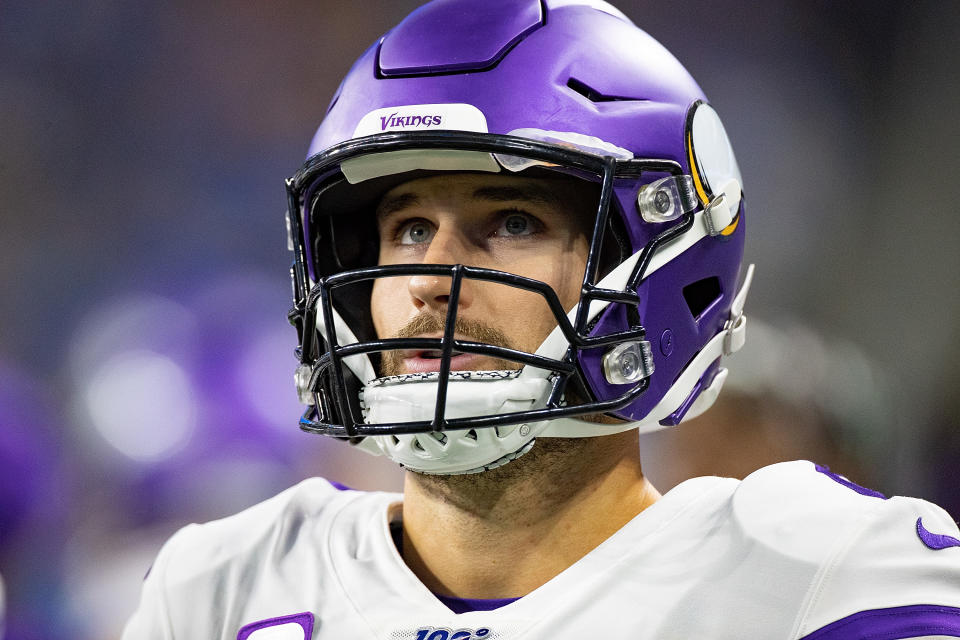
{"x": 412, "y": 397}
{"x": 659, "y": 303}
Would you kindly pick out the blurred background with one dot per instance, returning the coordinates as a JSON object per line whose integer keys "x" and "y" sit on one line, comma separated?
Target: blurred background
{"x": 146, "y": 366}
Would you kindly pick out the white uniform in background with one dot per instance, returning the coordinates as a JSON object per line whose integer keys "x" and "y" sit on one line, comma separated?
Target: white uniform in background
{"x": 790, "y": 552}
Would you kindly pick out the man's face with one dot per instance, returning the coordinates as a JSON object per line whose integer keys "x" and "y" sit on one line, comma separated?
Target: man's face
{"x": 530, "y": 227}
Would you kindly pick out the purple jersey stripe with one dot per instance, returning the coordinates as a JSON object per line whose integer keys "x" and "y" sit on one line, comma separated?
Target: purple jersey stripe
{"x": 895, "y": 623}
{"x": 463, "y": 605}
{"x": 836, "y": 477}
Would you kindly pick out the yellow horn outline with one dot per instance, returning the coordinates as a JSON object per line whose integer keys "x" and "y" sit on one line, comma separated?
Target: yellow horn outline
{"x": 701, "y": 192}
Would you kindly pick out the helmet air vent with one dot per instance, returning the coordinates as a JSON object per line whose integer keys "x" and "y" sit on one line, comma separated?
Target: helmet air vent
{"x": 593, "y": 95}
{"x": 701, "y": 295}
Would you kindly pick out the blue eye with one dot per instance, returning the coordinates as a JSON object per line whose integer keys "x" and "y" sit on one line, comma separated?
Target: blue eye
{"x": 516, "y": 225}
{"x": 416, "y": 232}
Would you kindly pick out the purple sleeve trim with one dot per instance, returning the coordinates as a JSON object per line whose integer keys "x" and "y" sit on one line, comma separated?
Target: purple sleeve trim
{"x": 305, "y": 620}
{"x": 836, "y": 477}
{"x": 340, "y": 487}
{"x": 895, "y": 623}
{"x": 463, "y": 605}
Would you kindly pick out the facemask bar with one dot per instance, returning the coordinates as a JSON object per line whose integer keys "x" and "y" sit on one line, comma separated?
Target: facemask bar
{"x": 563, "y": 369}
{"x": 336, "y": 416}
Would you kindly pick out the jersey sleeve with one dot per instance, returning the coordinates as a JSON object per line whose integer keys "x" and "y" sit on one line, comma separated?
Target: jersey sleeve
{"x": 897, "y": 576}
{"x": 203, "y": 578}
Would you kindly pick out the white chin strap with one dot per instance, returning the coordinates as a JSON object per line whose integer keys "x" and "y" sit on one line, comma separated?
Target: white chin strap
{"x": 412, "y": 397}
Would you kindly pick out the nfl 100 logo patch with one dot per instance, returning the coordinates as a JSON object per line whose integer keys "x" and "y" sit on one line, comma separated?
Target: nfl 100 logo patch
{"x": 443, "y": 633}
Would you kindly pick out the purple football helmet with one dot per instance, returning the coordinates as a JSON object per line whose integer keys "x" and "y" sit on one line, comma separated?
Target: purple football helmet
{"x": 565, "y": 88}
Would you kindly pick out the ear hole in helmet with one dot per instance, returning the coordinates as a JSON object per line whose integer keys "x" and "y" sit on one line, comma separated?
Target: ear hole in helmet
{"x": 701, "y": 295}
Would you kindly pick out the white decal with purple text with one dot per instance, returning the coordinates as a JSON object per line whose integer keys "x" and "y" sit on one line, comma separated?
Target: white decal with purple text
{"x": 422, "y": 117}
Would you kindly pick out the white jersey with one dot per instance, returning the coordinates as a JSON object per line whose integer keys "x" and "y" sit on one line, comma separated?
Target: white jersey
{"x": 790, "y": 552}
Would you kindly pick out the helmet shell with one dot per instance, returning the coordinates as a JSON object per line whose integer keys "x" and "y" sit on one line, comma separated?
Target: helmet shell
{"x": 565, "y": 66}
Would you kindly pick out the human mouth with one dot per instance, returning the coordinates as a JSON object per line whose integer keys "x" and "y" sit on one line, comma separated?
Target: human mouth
{"x": 430, "y": 361}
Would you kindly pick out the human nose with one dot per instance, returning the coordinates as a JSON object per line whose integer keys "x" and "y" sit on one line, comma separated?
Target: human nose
{"x": 433, "y": 292}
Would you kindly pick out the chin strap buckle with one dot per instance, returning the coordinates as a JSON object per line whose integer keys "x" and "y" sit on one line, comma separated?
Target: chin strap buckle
{"x": 735, "y": 330}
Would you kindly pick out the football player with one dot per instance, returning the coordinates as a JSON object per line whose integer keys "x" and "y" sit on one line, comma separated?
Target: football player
{"x": 517, "y": 244}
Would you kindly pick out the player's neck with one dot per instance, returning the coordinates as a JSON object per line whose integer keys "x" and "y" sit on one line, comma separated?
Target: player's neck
{"x": 505, "y": 532}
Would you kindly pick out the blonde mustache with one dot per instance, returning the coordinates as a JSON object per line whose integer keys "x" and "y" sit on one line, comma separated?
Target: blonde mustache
{"x": 392, "y": 361}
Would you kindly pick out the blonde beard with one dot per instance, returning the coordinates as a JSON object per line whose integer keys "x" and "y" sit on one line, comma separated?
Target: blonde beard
{"x": 551, "y": 472}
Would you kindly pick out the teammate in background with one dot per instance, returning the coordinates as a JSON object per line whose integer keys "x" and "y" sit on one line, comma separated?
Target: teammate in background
{"x": 517, "y": 242}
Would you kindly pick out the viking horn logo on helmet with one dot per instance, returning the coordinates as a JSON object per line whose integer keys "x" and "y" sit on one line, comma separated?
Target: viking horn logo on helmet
{"x": 667, "y": 220}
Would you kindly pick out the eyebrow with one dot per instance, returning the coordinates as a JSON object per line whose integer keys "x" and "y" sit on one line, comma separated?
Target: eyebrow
{"x": 527, "y": 193}
{"x": 396, "y": 203}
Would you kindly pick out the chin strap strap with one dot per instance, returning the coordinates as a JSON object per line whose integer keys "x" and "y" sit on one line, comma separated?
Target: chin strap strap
{"x": 734, "y": 331}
